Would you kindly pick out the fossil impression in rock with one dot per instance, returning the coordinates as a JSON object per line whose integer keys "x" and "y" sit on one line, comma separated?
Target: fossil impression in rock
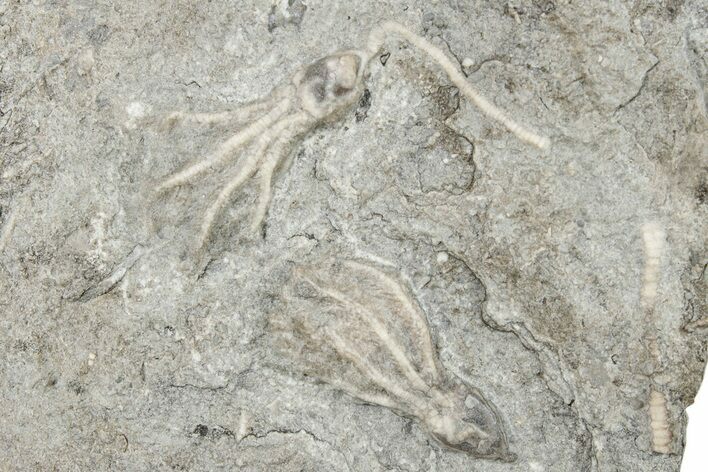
{"x": 653, "y": 236}
{"x": 360, "y": 330}
{"x": 317, "y": 93}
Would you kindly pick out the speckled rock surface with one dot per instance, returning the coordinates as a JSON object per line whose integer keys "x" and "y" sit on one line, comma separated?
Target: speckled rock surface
{"x": 123, "y": 349}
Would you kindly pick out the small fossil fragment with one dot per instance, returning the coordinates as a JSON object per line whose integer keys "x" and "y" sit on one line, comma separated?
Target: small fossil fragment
{"x": 660, "y": 428}
{"x": 653, "y": 237}
{"x": 360, "y": 330}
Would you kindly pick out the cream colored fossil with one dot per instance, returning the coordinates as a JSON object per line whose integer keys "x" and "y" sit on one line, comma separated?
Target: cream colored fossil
{"x": 317, "y": 93}
{"x": 653, "y": 237}
{"x": 360, "y": 330}
{"x": 659, "y": 421}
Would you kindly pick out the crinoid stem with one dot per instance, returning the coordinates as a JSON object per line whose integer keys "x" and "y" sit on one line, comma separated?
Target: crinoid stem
{"x": 660, "y": 428}
{"x": 414, "y": 312}
{"x": 393, "y": 347}
{"x": 228, "y": 147}
{"x": 376, "y": 40}
{"x": 653, "y": 236}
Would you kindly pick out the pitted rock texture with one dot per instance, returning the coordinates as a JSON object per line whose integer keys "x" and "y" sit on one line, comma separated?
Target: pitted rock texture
{"x": 122, "y": 349}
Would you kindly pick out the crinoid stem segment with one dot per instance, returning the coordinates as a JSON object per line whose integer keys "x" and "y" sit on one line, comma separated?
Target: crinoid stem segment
{"x": 653, "y": 237}
{"x": 376, "y": 39}
{"x": 659, "y": 421}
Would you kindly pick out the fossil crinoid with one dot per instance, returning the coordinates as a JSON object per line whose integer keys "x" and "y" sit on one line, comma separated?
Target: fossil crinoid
{"x": 360, "y": 330}
{"x": 317, "y": 93}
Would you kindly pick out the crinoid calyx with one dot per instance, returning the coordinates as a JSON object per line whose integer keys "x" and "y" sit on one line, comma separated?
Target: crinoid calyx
{"x": 359, "y": 329}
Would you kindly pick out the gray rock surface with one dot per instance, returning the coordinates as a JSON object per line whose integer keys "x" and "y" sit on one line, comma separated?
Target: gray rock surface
{"x": 123, "y": 349}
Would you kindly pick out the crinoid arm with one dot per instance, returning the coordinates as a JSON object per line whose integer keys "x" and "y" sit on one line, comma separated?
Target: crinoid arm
{"x": 365, "y": 308}
{"x": 219, "y": 118}
{"x": 393, "y": 292}
{"x": 359, "y": 329}
{"x": 278, "y": 132}
{"x": 227, "y": 148}
{"x": 368, "y": 337}
{"x": 376, "y": 40}
{"x": 242, "y": 112}
{"x": 296, "y": 124}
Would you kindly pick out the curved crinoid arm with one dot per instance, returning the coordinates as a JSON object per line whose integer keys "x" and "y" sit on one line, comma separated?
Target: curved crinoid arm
{"x": 245, "y": 111}
{"x": 379, "y": 34}
{"x": 360, "y": 329}
{"x": 272, "y": 146}
{"x": 297, "y": 124}
{"x": 259, "y": 127}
